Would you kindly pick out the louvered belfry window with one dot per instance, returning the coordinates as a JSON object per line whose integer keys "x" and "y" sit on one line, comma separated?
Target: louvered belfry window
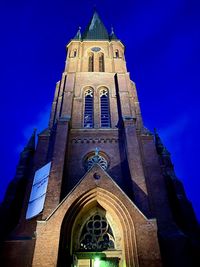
{"x": 91, "y": 62}
{"x": 101, "y": 63}
{"x": 88, "y": 111}
{"x": 117, "y": 53}
{"x": 75, "y": 52}
{"x": 105, "y": 108}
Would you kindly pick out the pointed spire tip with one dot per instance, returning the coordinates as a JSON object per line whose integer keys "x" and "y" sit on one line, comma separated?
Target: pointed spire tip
{"x": 95, "y": 30}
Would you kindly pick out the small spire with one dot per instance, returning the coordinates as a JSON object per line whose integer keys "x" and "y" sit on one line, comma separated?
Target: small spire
{"x": 31, "y": 142}
{"x": 112, "y": 34}
{"x": 78, "y": 34}
{"x": 161, "y": 149}
{"x": 158, "y": 142}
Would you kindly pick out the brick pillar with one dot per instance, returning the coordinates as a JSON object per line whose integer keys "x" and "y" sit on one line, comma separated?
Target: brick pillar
{"x": 135, "y": 165}
{"x": 67, "y": 97}
{"x": 54, "y": 105}
{"x": 57, "y": 167}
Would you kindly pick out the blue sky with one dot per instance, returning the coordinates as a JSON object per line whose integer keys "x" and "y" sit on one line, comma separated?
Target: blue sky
{"x": 162, "y": 40}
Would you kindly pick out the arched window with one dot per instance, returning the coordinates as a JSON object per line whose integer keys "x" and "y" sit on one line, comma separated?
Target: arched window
{"x": 101, "y": 63}
{"x": 88, "y": 111}
{"x": 117, "y": 53}
{"x": 105, "y": 108}
{"x": 91, "y": 62}
{"x": 75, "y": 52}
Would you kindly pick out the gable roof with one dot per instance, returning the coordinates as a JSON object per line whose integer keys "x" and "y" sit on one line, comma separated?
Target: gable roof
{"x": 99, "y": 180}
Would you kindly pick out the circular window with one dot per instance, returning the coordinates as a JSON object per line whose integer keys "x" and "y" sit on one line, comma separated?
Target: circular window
{"x": 96, "y": 49}
{"x": 97, "y": 159}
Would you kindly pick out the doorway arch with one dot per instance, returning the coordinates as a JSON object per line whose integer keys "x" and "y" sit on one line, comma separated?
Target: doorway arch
{"x": 111, "y": 209}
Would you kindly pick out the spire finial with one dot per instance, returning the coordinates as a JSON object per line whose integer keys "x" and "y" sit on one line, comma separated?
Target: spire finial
{"x": 112, "y": 34}
{"x": 97, "y": 151}
{"x": 95, "y": 7}
{"x": 78, "y": 34}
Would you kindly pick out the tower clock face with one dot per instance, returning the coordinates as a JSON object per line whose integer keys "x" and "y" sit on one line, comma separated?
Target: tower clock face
{"x": 95, "y": 49}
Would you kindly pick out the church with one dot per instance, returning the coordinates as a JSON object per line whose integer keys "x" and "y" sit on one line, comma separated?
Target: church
{"x": 98, "y": 189}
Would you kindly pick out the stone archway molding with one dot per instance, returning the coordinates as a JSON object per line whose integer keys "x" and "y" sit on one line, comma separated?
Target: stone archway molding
{"x": 139, "y": 233}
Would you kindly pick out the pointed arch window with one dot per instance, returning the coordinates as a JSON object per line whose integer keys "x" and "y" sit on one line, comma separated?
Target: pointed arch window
{"x": 101, "y": 62}
{"x": 73, "y": 53}
{"x": 91, "y": 62}
{"x": 105, "y": 108}
{"x": 96, "y": 234}
{"x": 117, "y": 53}
{"x": 88, "y": 109}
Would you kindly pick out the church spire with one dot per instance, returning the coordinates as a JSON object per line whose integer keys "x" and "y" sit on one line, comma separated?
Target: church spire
{"x": 95, "y": 29}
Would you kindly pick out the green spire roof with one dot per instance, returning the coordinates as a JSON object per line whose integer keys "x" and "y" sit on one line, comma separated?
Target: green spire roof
{"x": 112, "y": 35}
{"x": 78, "y": 34}
{"x": 95, "y": 29}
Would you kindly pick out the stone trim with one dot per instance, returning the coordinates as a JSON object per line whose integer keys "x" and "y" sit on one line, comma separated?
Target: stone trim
{"x": 92, "y": 140}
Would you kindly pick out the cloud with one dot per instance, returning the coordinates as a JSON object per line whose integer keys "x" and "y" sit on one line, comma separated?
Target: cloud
{"x": 176, "y": 128}
{"x": 173, "y": 136}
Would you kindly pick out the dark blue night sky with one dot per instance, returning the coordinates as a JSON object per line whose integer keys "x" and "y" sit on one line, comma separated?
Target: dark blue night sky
{"x": 162, "y": 40}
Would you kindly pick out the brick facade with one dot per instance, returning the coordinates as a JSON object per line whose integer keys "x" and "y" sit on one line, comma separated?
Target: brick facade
{"x": 131, "y": 193}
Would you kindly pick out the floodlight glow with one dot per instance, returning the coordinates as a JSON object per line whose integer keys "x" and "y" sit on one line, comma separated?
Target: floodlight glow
{"x": 96, "y": 262}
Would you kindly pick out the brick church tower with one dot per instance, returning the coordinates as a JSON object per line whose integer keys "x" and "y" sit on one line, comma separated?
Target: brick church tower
{"x": 99, "y": 189}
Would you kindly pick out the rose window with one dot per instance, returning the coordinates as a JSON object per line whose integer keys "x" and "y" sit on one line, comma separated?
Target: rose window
{"x": 99, "y": 159}
{"x": 96, "y": 158}
{"x": 96, "y": 234}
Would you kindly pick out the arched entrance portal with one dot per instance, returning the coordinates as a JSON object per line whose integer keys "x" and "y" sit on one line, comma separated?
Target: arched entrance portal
{"x": 72, "y": 235}
{"x": 96, "y": 241}
{"x": 91, "y": 235}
